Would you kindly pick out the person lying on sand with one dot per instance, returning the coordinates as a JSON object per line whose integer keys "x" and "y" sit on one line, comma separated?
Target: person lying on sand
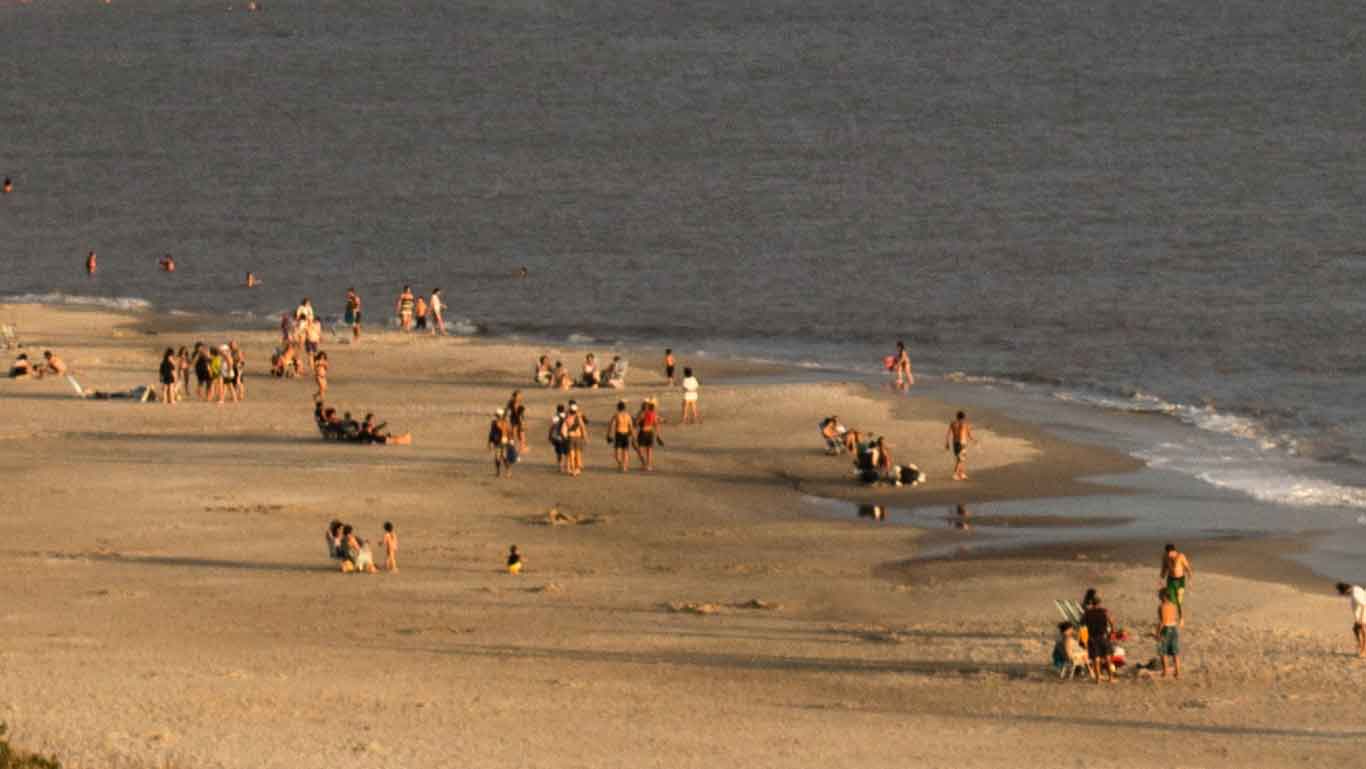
{"x": 375, "y": 433}
{"x": 21, "y": 368}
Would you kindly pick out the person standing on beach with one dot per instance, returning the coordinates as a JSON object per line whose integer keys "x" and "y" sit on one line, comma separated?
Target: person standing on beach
{"x": 320, "y": 376}
{"x": 390, "y": 548}
{"x": 649, "y": 434}
{"x": 516, "y": 414}
{"x": 1176, "y": 573}
{"x": 902, "y": 367}
{"x": 420, "y": 313}
{"x": 1357, "y": 596}
{"x": 1168, "y": 633}
{"x": 437, "y": 306}
{"x": 403, "y": 307}
{"x": 669, "y": 364}
{"x": 956, "y": 440}
{"x": 573, "y": 430}
{"x": 619, "y": 430}
{"x": 353, "y": 313}
{"x": 303, "y": 314}
{"x": 690, "y": 387}
{"x": 1096, "y": 618}
{"x": 500, "y": 435}
{"x": 239, "y": 370}
{"x": 557, "y": 440}
{"x": 90, "y": 264}
{"x": 169, "y": 369}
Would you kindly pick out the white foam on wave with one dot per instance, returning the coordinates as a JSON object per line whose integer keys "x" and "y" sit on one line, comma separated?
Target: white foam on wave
{"x": 577, "y": 338}
{"x": 79, "y": 300}
{"x": 1204, "y": 417}
{"x": 463, "y": 327}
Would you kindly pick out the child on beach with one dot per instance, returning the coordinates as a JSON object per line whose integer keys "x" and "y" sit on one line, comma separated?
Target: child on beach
{"x": 690, "y": 387}
{"x": 390, "y": 548}
{"x": 669, "y": 365}
{"x": 420, "y": 312}
{"x": 320, "y": 376}
{"x": 514, "y": 561}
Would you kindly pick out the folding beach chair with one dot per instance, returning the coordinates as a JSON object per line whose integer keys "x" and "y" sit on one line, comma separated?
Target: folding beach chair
{"x": 9, "y": 337}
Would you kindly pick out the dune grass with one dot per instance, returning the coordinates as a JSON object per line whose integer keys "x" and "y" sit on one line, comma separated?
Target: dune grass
{"x": 13, "y": 759}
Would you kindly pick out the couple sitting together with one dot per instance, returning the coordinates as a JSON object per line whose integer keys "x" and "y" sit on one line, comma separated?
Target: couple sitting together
{"x": 345, "y": 428}
{"x": 873, "y": 465}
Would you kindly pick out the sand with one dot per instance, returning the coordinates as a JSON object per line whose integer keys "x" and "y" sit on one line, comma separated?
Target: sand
{"x": 169, "y": 601}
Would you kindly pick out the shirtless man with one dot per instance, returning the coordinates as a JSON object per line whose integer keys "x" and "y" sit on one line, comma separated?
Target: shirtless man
{"x": 166, "y": 263}
{"x": 1176, "y": 574}
{"x": 956, "y": 440}
{"x": 51, "y": 365}
{"x": 90, "y": 263}
{"x": 1168, "y": 633}
{"x": 619, "y": 430}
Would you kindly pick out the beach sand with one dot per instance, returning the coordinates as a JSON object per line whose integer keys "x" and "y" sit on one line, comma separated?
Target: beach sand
{"x": 169, "y": 601}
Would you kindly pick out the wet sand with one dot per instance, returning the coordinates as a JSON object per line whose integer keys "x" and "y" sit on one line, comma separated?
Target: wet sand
{"x": 169, "y": 600}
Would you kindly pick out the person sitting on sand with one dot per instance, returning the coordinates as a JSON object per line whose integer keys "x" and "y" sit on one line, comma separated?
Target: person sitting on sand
{"x": 590, "y": 376}
{"x": 514, "y": 561}
{"x": 852, "y": 439}
{"x": 358, "y": 554}
{"x": 560, "y": 379}
{"x": 1068, "y": 650}
{"x": 833, "y": 432}
{"x": 335, "y": 549}
{"x": 374, "y": 433}
{"x": 51, "y": 365}
{"x": 884, "y": 459}
{"x": 867, "y": 462}
{"x": 390, "y": 548}
{"x": 615, "y": 375}
{"x": 543, "y": 375}
{"x": 1357, "y": 596}
{"x": 21, "y": 368}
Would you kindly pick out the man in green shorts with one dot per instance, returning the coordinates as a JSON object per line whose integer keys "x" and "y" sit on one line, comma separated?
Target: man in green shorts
{"x": 1176, "y": 571}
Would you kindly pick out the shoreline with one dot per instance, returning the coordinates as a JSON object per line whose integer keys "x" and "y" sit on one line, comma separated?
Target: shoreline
{"x": 703, "y": 588}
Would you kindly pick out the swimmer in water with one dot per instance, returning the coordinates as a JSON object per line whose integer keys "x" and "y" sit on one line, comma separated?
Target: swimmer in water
{"x": 166, "y": 263}
{"x": 8, "y": 186}
{"x": 252, "y": 280}
{"x": 523, "y": 273}
{"x": 90, "y": 263}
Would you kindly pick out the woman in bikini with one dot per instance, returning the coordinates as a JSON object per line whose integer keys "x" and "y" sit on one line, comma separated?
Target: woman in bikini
{"x": 573, "y": 430}
{"x": 320, "y": 376}
{"x": 648, "y": 434}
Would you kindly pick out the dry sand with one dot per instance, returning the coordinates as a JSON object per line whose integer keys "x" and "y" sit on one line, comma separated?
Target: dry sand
{"x": 168, "y": 601}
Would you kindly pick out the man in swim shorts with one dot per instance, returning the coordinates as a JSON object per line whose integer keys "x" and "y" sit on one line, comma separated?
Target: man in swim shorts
{"x": 353, "y": 312}
{"x": 960, "y": 432}
{"x": 1168, "y": 633}
{"x": 1176, "y": 573}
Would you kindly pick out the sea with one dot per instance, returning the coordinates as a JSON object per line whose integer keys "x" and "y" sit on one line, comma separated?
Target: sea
{"x": 1140, "y": 223}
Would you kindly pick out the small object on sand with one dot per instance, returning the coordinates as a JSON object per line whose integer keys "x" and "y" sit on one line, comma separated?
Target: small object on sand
{"x": 755, "y": 603}
{"x": 692, "y": 607}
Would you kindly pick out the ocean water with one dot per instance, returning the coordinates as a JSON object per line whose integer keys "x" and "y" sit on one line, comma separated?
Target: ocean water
{"x": 1140, "y": 210}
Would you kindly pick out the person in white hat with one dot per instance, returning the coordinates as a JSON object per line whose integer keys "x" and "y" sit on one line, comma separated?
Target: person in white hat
{"x": 500, "y": 438}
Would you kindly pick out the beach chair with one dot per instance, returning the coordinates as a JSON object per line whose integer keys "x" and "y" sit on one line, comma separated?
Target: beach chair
{"x": 9, "y": 337}
{"x": 1070, "y": 611}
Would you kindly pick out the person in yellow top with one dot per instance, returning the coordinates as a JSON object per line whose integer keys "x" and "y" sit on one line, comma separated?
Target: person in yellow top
{"x": 514, "y": 561}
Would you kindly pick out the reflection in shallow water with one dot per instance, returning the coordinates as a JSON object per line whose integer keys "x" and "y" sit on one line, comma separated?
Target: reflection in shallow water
{"x": 876, "y": 512}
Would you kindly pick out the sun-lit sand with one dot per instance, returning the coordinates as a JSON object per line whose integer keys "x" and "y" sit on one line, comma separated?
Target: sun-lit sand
{"x": 168, "y": 600}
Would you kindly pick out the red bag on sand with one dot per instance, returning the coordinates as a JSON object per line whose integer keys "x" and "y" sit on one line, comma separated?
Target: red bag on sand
{"x": 889, "y": 362}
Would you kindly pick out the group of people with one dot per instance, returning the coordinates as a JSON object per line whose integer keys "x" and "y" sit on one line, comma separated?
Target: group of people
{"x": 414, "y": 313}
{"x": 873, "y": 462}
{"x": 23, "y": 368}
{"x": 354, "y": 554}
{"x": 219, "y": 373}
{"x": 345, "y": 428}
{"x": 558, "y": 377}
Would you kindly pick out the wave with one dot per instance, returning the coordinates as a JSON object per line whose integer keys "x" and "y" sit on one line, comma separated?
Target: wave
{"x": 80, "y": 300}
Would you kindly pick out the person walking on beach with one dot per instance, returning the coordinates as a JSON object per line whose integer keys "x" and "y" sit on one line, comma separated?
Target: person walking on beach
{"x": 1176, "y": 573}
{"x": 1096, "y": 618}
{"x": 619, "y": 430}
{"x": 1356, "y": 594}
{"x": 690, "y": 387}
{"x": 353, "y": 313}
{"x": 1168, "y": 633}
{"x": 956, "y": 440}
{"x": 516, "y": 414}
{"x": 901, "y": 366}
{"x": 669, "y": 364}
{"x": 90, "y": 264}
{"x": 500, "y": 437}
{"x": 557, "y": 440}
{"x": 239, "y": 370}
{"x": 404, "y": 308}
{"x": 648, "y": 433}
{"x": 303, "y": 314}
{"x": 436, "y": 306}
